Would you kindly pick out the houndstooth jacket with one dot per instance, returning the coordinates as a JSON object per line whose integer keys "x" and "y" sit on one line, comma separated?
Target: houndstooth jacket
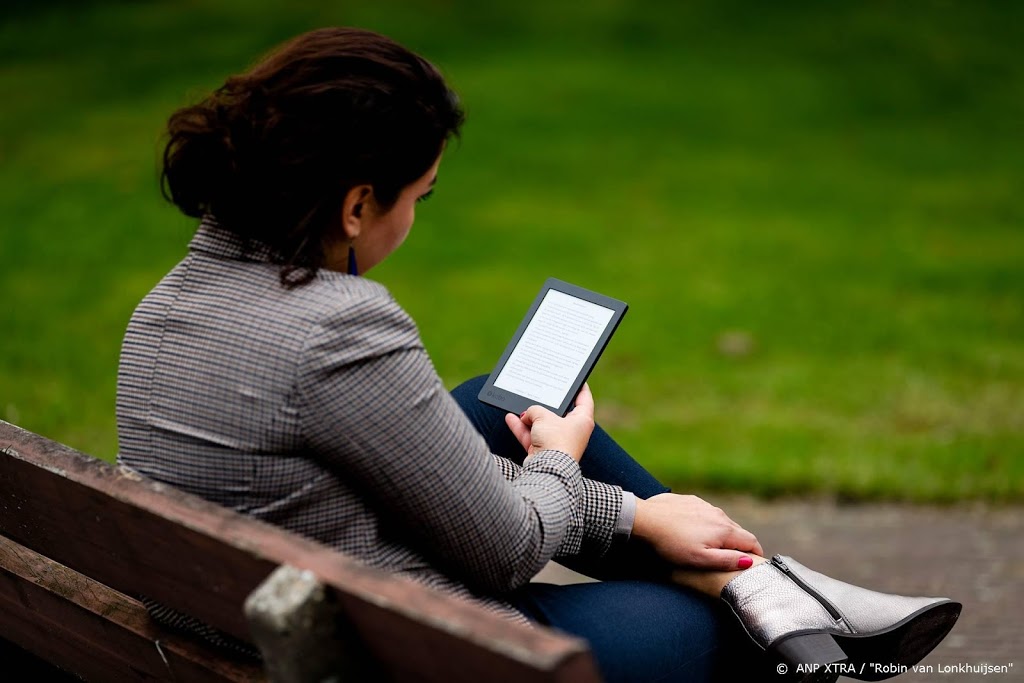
{"x": 317, "y": 409}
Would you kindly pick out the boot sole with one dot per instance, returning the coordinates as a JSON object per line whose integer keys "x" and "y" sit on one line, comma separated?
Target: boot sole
{"x": 900, "y": 646}
{"x": 823, "y": 656}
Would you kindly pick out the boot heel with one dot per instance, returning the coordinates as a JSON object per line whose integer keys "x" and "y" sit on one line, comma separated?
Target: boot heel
{"x": 810, "y": 648}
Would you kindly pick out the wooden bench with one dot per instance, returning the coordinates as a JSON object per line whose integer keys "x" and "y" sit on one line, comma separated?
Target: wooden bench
{"x": 79, "y": 537}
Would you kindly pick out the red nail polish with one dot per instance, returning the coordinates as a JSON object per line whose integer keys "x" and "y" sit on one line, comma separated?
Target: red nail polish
{"x": 522, "y": 414}
{"x": 745, "y": 562}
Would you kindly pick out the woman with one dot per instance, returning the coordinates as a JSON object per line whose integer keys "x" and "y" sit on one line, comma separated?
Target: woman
{"x": 265, "y": 373}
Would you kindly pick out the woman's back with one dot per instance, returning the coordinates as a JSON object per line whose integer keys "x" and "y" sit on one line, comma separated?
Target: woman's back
{"x": 208, "y": 390}
{"x": 316, "y": 408}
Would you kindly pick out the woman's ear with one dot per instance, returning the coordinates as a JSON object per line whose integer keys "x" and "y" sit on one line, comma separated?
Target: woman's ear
{"x": 354, "y": 208}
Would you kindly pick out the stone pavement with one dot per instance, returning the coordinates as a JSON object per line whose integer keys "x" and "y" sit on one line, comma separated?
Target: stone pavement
{"x": 970, "y": 553}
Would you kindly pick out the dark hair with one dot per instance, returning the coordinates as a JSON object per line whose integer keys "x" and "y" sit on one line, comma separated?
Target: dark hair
{"x": 272, "y": 153}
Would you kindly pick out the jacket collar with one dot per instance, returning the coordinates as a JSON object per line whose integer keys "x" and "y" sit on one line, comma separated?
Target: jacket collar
{"x": 212, "y": 238}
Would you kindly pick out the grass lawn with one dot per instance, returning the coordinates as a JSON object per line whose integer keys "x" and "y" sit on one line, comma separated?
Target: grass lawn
{"x": 813, "y": 210}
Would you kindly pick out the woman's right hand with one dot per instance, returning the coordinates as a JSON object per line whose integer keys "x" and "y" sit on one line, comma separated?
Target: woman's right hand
{"x": 539, "y": 429}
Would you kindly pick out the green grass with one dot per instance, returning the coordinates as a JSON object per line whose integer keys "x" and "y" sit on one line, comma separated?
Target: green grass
{"x": 840, "y": 185}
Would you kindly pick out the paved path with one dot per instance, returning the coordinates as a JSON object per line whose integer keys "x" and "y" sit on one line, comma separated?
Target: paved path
{"x": 974, "y": 554}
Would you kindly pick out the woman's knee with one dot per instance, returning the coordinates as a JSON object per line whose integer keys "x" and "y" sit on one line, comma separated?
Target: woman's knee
{"x": 488, "y": 420}
{"x": 469, "y": 389}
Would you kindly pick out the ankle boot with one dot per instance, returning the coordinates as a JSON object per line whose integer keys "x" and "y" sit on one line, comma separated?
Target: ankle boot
{"x": 820, "y": 628}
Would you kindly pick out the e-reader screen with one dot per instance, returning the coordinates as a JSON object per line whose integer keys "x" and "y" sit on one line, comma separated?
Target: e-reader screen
{"x": 554, "y": 349}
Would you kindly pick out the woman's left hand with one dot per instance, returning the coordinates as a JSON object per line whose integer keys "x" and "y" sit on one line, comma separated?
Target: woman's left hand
{"x": 688, "y": 531}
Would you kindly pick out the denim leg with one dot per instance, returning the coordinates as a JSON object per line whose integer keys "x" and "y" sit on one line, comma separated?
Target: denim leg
{"x": 638, "y": 630}
{"x": 648, "y": 631}
{"x": 603, "y": 460}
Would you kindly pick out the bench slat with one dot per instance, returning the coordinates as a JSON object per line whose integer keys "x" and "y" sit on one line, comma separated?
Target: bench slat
{"x": 83, "y": 626}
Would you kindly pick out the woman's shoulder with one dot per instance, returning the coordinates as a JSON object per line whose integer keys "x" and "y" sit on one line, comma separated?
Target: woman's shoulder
{"x": 332, "y": 294}
{"x": 247, "y": 305}
{"x": 357, "y": 313}
{"x": 332, "y": 290}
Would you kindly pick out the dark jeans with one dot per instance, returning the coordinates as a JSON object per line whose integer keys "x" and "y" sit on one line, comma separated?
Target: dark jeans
{"x": 640, "y": 627}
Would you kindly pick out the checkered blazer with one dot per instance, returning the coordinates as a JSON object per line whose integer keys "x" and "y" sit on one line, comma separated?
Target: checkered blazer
{"x": 317, "y": 409}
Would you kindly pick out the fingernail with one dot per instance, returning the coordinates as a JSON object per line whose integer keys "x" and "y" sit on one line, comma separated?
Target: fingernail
{"x": 745, "y": 562}
{"x": 522, "y": 414}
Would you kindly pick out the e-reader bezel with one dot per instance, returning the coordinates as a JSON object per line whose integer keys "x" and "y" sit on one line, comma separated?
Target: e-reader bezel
{"x": 514, "y": 403}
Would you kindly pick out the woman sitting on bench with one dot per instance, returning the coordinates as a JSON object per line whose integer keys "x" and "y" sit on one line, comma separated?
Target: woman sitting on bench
{"x": 267, "y": 374}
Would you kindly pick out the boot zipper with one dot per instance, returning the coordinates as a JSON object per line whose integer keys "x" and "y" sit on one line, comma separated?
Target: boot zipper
{"x": 829, "y": 607}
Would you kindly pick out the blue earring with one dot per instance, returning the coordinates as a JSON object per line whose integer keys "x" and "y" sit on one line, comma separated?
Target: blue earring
{"x": 353, "y": 269}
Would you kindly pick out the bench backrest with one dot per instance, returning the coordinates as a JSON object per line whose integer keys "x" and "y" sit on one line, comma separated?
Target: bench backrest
{"x": 105, "y": 524}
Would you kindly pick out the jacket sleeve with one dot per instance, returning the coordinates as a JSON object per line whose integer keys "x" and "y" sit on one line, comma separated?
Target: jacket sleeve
{"x": 595, "y": 521}
{"x": 373, "y": 408}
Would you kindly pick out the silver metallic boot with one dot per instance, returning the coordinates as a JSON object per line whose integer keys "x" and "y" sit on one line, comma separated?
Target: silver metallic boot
{"x": 821, "y": 628}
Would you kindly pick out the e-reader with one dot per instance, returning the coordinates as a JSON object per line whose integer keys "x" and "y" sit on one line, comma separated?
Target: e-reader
{"x": 554, "y": 349}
